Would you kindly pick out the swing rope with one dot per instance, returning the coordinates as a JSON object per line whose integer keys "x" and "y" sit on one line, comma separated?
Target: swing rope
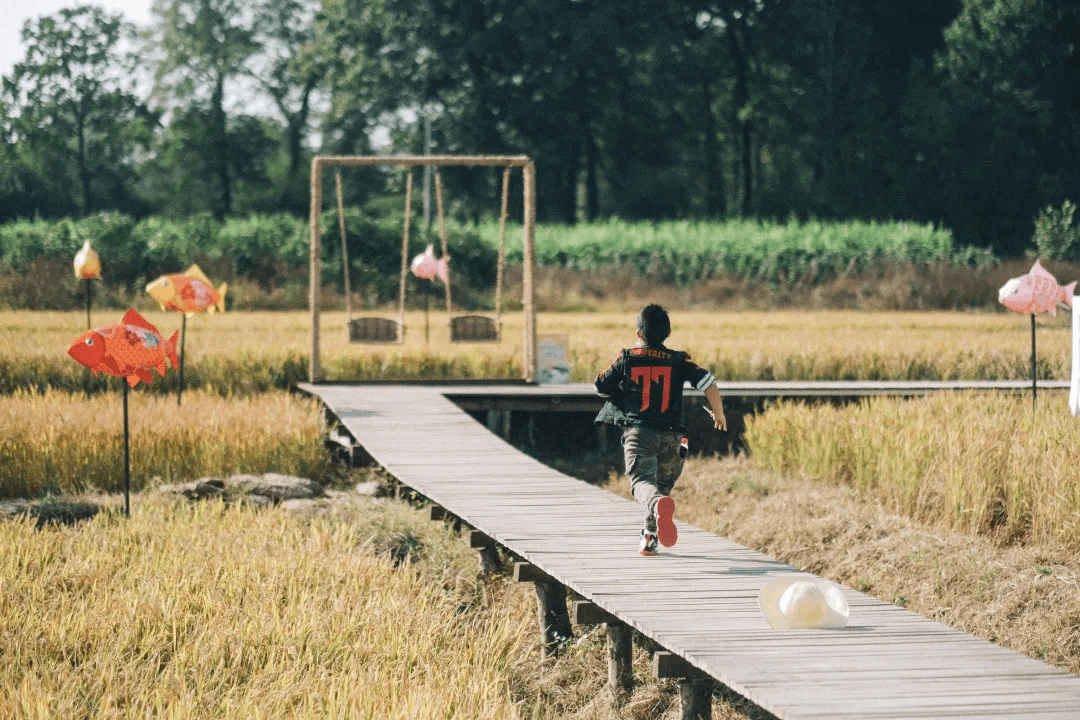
{"x": 503, "y": 211}
{"x": 442, "y": 232}
{"x": 404, "y": 254}
{"x": 344, "y": 251}
{"x": 502, "y": 252}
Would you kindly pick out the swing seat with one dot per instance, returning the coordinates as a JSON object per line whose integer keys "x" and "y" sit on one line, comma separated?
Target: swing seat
{"x": 473, "y": 328}
{"x": 374, "y": 330}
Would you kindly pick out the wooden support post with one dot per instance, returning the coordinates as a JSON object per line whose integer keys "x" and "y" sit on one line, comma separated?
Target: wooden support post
{"x": 620, "y": 660}
{"x": 695, "y": 687}
{"x": 486, "y": 550}
{"x": 552, "y": 615}
{"x": 695, "y": 698}
{"x": 489, "y": 560}
{"x": 498, "y": 422}
{"x": 620, "y": 648}
{"x": 550, "y": 605}
{"x": 532, "y": 429}
{"x": 527, "y": 572}
{"x": 436, "y": 512}
{"x": 528, "y": 266}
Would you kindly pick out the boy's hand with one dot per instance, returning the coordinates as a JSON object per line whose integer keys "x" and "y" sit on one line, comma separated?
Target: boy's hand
{"x": 719, "y": 421}
{"x": 716, "y": 407}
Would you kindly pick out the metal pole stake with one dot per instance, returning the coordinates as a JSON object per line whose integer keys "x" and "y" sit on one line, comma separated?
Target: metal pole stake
{"x": 127, "y": 454}
{"x": 183, "y": 334}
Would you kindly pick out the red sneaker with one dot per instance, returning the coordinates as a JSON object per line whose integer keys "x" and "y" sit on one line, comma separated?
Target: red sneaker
{"x": 665, "y": 521}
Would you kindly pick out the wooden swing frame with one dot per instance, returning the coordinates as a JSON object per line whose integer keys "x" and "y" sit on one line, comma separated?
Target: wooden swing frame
{"x": 508, "y": 162}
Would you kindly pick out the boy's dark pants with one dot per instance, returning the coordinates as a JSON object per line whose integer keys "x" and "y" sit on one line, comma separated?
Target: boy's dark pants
{"x": 653, "y": 465}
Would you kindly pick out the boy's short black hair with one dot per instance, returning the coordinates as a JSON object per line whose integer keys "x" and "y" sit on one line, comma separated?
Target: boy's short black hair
{"x": 653, "y": 324}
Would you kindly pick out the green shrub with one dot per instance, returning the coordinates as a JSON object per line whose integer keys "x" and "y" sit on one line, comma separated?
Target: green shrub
{"x": 1056, "y": 237}
{"x": 686, "y": 251}
{"x": 265, "y": 247}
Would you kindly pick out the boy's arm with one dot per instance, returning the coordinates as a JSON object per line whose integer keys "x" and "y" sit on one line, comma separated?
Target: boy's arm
{"x": 712, "y": 394}
{"x": 704, "y": 381}
{"x": 607, "y": 382}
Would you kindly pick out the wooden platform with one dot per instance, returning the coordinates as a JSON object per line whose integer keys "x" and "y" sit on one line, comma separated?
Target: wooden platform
{"x": 580, "y": 397}
{"x": 699, "y": 599}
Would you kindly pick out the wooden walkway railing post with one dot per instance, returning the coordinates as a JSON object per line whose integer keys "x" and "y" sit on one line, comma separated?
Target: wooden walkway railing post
{"x": 550, "y": 607}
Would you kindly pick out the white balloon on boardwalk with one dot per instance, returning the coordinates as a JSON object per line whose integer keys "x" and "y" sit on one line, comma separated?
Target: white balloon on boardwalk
{"x": 803, "y": 601}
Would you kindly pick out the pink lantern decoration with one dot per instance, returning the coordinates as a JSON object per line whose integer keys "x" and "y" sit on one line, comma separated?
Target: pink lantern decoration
{"x": 1035, "y": 292}
{"x": 427, "y": 267}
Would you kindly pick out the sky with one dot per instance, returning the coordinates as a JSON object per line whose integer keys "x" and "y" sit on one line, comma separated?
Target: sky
{"x": 13, "y": 13}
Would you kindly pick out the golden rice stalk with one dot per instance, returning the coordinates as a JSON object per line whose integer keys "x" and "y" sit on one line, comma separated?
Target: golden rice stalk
{"x": 230, "y": 613}
{"x": 71, "y": 443}
{"x": 982, "y": 463}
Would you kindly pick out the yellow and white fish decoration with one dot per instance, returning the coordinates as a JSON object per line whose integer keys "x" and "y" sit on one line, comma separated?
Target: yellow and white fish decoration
{"x": 87, "y": 263}
{"x": 189, "y": 292}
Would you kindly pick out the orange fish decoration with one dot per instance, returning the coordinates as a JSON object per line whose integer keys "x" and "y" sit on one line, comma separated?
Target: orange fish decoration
{"x": 189, "y": 292}
{"x": 130, "y": 349}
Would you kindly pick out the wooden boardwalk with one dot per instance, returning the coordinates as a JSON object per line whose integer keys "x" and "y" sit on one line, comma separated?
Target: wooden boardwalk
{"x": 698, "y": 599}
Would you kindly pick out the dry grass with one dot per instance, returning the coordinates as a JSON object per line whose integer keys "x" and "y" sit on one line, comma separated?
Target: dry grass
{"x": 212, "y": 613}
{"x": 256, "y": 351}
{"x": 63, "y": 443}
{"x": 978, "y": 463}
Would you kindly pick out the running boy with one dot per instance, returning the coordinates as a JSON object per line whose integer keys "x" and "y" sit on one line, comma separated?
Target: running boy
{"x": 644, "y": 391}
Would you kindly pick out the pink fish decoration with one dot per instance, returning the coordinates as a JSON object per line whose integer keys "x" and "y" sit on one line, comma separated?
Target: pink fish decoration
{"x": 1035, "y": 292}
{"x": 426, "y": 266}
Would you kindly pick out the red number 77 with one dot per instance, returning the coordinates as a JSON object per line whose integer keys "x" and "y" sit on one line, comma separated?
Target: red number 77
{"x": 647, "y": 374}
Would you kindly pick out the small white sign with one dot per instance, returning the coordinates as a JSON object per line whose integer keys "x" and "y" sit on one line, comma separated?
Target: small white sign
{"x": 553, "y": 358}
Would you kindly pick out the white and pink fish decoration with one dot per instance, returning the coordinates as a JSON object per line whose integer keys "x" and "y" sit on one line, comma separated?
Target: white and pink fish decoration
{"x": 1036, "y": 292}
{"x": 426, "y": 266}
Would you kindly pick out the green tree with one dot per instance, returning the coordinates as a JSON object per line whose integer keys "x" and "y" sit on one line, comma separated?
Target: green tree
{"x": 1014, "y": 66}
{"x": 289, "y": 70}
{"x": 200, "y": 48}
{"x": 74, "y": 122}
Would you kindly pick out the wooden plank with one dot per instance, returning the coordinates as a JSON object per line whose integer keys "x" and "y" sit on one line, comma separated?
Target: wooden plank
{"x": 888, "y": 662}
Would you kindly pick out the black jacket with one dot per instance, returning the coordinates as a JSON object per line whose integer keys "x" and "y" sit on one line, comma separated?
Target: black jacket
{"x": 644, "y": 387}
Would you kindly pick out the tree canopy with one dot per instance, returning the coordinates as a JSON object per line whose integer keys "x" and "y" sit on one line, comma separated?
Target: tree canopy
{"x": 964, "y": 113}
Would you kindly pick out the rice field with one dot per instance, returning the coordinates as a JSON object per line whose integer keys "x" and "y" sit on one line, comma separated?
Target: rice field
{"x": 185, "y": 612}
{"x": 67, "y": 444}
{"x": 983, "y": 464}
{"x": 256, "y": 351}
{"x": 225, "y": 612}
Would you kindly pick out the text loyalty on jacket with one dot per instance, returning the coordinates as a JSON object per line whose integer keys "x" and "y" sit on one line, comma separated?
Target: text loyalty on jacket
{"x": 648, "y": 352}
